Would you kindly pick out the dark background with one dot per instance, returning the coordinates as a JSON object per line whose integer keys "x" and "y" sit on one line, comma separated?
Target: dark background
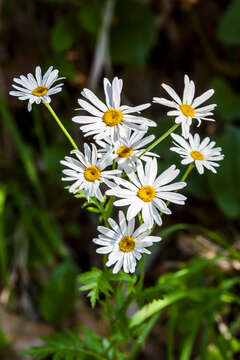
{"x": 45, "y": 234}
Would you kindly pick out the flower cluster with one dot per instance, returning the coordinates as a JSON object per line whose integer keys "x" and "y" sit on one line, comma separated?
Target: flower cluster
{"x": 119, "y": 141}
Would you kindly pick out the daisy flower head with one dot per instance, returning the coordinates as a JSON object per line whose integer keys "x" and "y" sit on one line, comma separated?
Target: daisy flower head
{"x": 188, "y": 108}
{"x": 123, "y": 243}
{"x": 107, "y": 119}
{"x": 203, "y": 153}
{"x": 87, "y": 172}
{"x": 127, "y": 149}
{"x": 147, "y": 192}
{"x": 37, "y": 89}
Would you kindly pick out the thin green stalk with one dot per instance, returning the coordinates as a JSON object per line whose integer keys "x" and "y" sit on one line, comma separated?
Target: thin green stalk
{"x": 142, "y": 273}
{"x": 140, "y": 218}
{"x": 66, "y": 133}
{"x": 156, "y": 142}
{"x": 187, "y": 172}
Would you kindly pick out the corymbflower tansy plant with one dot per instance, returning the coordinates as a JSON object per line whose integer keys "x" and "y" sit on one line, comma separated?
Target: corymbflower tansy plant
{"x": 87, "y": 172}
{"x": 124, "y": 243}
{"x": 126, "y": 149}
{"x": 37, "y": 89}
{"x": 203, "y": 153}
{"x": 145, "y": 192}
{"x": 118, "y": 170}
{"x": 111, "y": 118}
{"x": 188, "y": 108}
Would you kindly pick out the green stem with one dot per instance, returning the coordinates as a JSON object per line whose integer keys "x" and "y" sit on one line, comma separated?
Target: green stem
{"x": 52, "y": 112}
{"x": 142, "y": 273}
{"x": 156, "y": 142}
{"x": 187, "y": 172}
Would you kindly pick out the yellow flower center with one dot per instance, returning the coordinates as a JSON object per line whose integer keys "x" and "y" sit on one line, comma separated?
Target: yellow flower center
{"x": 127, "y": 244}
{"x": 146, "y": 193}
{"x": 196, "y": 155}
{"x": 40, "y": 91}
{"x": 112, "y": 117}
{"x": 124, "y": 151}
{"x": 92, "y": 173}
{"x": 187, "y": 110}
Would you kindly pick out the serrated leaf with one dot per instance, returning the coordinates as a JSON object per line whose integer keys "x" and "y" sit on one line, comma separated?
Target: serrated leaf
{"x": 121, "y": 276}
{"x": 67, "y": 346}
{"x": 229, "y": 26}
{"x": 59, "y": 293}
{"x": 157, "y": 305}
{"x": 95, "y": 281}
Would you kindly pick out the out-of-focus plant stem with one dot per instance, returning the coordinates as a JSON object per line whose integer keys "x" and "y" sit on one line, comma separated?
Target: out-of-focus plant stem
{"x": 64, "y": 130}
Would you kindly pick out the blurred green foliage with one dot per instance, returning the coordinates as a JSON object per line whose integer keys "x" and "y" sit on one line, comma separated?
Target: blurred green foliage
{"x": 192, "y": 301}
{"x": 229, "y": 26}
{"x": 59, "y": 293}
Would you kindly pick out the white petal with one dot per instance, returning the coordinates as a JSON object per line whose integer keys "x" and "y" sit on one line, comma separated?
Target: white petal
{"x": 89, "y": 108}
{"x": 200, "y": 99}
{"x": 172, "y": 93}
{"x": 94, "y": 99}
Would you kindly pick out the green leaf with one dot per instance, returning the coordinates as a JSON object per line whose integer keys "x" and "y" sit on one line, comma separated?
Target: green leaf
{"x": 63, "y": 35}
{"x": 172, "y": 322}
{"x": 66, "y": 346}
{"x": 93, "y": 209}
{"x": 95, "y": 281}
{"x": 156, "y": 306}
{"x": 130, "y": 44}
{"x": 229, "y": 26}
{"x": 228, "y": 102}
{"x": 189, "y": 340}
{"x": 80, "y": 195}
{"x": 59, "y": 294}
{"x": 122, "y": 276}
{"x": 224, "y": 185}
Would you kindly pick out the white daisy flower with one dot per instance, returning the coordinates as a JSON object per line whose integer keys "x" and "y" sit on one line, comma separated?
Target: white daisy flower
{"x": 37, "y": 89}
{"x": 187, "y": 109}
{"x": 87, "y": 172}
{"x": 146, "y": 192}
{"x": 126, "y": 149}
{"x": 105, "y": 120}
{"x": 124, "y": 244}
{"x": 202, "y": 153}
